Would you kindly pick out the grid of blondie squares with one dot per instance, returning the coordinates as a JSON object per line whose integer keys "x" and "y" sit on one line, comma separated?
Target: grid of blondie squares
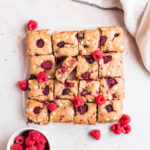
{"x": 66, "y": 57}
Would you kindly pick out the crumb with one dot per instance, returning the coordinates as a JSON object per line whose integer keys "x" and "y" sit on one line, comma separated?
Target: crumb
{"x": 5, "y": 59}
{"x": 14, "y": 51}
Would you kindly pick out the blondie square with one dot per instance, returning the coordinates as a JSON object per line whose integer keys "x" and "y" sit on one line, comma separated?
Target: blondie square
{"x": 67, "y": 90}
{"x": 65, "y": 43}
{"x": 39, "y": 42}
{"x": 111, "y": 111}
{"x": 64, "y": 112}
{"x": 67, "y": 67}
{"x": 89, "y": 90}
{"x": 87, "y": 68}
{"x": 88, "y": 41}
{"x": 40, "y": 91}
{"x": 37, "y": 112}
{"x": 111, "y": 39}
{"x": 112, "y": 88}
{"x": 85, "y": 114}
{"x": 44, "y": 63}
{"x": 111, "y": 65}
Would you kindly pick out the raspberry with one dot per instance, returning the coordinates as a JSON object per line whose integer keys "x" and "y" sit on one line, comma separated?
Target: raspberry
{"x": 41, "y": 140}
{"x": 42, "y": 77}
{"x": 102, "y": 41}
{"x": 32, "y": 25}
{"x": 85, "y": 76}
{"x": 19, "y": 140}
{"x": 29, "y": 142}
{"x": 16, "y": 147}
{"x": 95, "y": 134}
{"x": 126, "y": 129}
{"x": 125, "y": 119}
{"x": 47, "y": 65}
{"x": 23, "y": 85}
{"x": 52, "y": 106}
{"x": 40, "y": 146}
{"x": 69, "y": 84}
{"x": 34, "y": 135}
{"x": 81, "y": 109}
{"x": 61, "y": 44}
{"x": 97, "y": 54}
{"x": 78, "y": 101}
{"x": 31, "y": 148}
{"x": 100, "y": 100}
{"x": 116, "y": 128}
{"x": 63, "y": 69}
{"x": 65, "y": 91}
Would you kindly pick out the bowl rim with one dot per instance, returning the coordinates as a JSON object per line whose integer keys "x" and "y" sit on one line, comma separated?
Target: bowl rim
{"x": 11, "y": 139}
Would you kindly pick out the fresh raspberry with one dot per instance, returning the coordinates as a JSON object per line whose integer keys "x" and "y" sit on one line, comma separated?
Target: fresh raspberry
{"x": 34, "y": 135}
{"x": 31, "y": 148}
{"x": 40, "y": 146}
{"x": 42, "y": 77}
{"x": 96, "y": 134}
{"x": 100, "y": 100}
{"x": 125, "y": 119}
{"x": 52, "y": 106}
{"x": 42, "y": 140}
{"x": 19, "y": 140}
{"x": 32, "y": 25}
{"x": 78, "y": 101}
{"x": 97, "y": 54}
{"x": 16, "y": 147}
{"x": 126, "y": 129}
{"x": 29, "y": 142}
{"x": 23, "y": 85}
{"x": 116, "y": 128}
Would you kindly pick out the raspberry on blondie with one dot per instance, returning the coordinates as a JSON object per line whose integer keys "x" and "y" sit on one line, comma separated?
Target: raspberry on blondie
{"x": 39, "y": 42}
{"x": 64, "y": 113}
{"x": 67, "y": 90}
{"x": 89, "y": 90}
{"x": 43, "y": 63}
{"x": 112, "y": 88}
{"x": 67, "y": 67}
{"x": 37, "y": 112}
{"x": 111, "y": 111}
{"x": 85, "y": 114}
{"x": 65, "y": 43}
{"x": 111, "y": 39}
{"x": 87, "y": 68}
{"x": 111, "y": 65}
{"x": 40, "y": 91}
{"x": 88, "y": 41}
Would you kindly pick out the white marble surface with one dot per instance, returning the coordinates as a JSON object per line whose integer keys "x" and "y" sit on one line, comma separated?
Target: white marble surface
{"x": 13, "y": 16}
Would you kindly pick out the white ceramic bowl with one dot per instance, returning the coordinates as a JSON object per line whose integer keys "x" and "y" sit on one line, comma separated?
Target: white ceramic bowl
{"x": 12, "y": 138}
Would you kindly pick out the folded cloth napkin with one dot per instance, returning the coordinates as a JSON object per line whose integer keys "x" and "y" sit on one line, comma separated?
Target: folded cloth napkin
{"x": 137, "y": 21}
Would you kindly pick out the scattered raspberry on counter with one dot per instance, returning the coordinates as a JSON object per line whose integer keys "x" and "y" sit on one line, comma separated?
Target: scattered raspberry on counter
{"x": 23, "y": 85}
{"x": 116, "y": 128}
{"x": 123, "y": 125}
{"x": 125, "y": 119}
{"x": 96, "y": 134}
{"x": 32, "y": 25}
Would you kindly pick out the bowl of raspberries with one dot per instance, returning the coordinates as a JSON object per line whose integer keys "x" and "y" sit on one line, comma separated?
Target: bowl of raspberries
{"x": 28, "y": 139}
